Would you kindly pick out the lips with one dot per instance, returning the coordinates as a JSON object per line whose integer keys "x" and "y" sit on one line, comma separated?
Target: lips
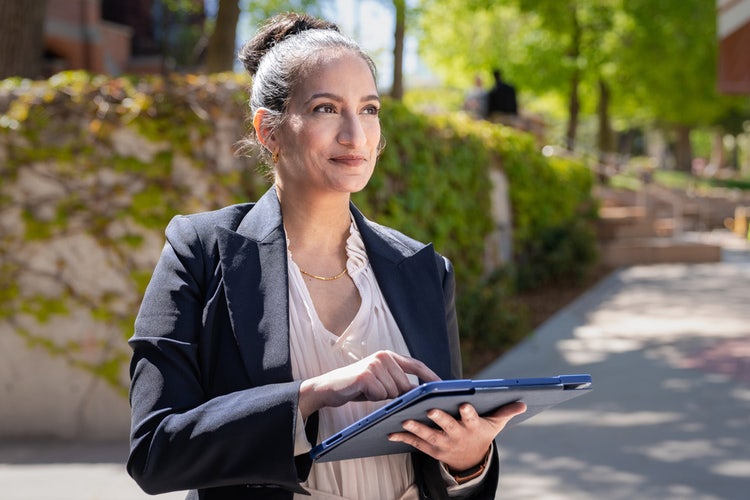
{"x": 349, "y": 159}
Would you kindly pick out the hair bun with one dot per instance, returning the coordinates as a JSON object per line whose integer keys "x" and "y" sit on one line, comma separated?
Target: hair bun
{"x": 273, "y": 31}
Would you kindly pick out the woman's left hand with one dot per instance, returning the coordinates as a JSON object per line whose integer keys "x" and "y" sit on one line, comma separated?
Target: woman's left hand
{"x": 459, "y": 444}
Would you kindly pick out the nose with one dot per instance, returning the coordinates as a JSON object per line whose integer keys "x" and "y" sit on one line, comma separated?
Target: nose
{"x": 352, "y": 131}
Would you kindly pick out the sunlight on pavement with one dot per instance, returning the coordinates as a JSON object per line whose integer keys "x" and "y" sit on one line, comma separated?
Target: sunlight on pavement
{"x": 603, "y": 419}
{"x": 733, "y": 468}
{"x": 679, "y": 451}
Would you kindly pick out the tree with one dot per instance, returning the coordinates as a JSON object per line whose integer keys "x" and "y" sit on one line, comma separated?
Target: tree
{"x": 644, "y": 63}
{"x": 573, "y": 53}
{"x": 220, "y": 52}
{"x": 669, "y": 59}
{"x": 21, "y": 37}
{"x": 181, "y": 33}
{"x": 259, "y": 10}
{"x": 583, "y": 29}
{"x": 539, "y": 44}
{"x": 397, "y": 90}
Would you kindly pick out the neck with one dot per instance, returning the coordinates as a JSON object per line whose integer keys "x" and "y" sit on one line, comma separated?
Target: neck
{"x": 320, "y": 222}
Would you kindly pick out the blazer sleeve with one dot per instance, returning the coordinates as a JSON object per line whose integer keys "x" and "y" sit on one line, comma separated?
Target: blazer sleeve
{"x": 181, "y": 437}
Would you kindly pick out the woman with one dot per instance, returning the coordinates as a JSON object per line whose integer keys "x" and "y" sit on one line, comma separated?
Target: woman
{"x": 269, "y": 326}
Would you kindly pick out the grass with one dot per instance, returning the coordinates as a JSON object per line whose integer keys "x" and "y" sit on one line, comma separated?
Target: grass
{"x": 679, "y": 180}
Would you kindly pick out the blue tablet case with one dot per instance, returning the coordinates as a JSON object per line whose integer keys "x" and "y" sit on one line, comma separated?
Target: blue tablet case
{"x": 369, "y": 436}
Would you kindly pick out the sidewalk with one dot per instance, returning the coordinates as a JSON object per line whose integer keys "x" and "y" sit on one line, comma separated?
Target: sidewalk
{"x": 39, "y": 470}
{"x": 668, "y": 347}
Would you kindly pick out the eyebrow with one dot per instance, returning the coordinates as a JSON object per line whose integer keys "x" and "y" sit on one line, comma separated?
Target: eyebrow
{"x": 337, "y": 98}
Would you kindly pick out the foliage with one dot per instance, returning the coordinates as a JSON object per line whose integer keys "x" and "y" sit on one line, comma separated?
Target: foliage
{"x": 438, "y": 164}
{"x": 259, "y": 10}
{"x": 112, "y": 160}
{"x": 553, "y": 209}
{"x": 669, "y": 60}
{"x": 434, "y": 100}
{"x": 431, "y": 168}
{"x": 492, "y": 318}
{"x": 657, "y": 58}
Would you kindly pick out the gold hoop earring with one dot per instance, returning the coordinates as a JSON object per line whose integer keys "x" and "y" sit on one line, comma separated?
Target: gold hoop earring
{"x": 275, "y": 157}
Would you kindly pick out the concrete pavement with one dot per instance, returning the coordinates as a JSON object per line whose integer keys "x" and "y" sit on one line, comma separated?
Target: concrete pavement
{"x": 54, "y": 470}
{"x": 669, "y": 417}
{"x": 668, "y": 347}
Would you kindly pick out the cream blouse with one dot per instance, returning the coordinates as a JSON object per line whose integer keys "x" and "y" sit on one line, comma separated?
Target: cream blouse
{"x": 315, "y": 350}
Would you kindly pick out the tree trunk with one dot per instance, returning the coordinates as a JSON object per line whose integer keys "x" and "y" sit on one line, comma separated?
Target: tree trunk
{"x": 683, "y": 149}
{"x": 397, "y": 91}
{"x": 220, "y": 53}
{"x": 605, "y": 139}
{"x": 22, "y": 38}
{"x": 574, "y": 104}
{"x": 167, "y": 62}
{"x": 718, "y": 154}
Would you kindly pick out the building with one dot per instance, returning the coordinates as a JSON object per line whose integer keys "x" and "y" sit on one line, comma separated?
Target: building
{"x": 734, "y": 46}
{"x": 117, "y": 36}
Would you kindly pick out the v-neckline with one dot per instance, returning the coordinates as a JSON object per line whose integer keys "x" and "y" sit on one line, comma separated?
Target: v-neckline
{"x": 313, "y": 312}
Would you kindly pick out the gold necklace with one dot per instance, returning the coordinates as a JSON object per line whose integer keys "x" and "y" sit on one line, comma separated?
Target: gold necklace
{"x": 324, "y": 278}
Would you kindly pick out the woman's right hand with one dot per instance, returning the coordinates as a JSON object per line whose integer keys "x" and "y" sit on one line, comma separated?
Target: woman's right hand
{"x": 382, "y": 375}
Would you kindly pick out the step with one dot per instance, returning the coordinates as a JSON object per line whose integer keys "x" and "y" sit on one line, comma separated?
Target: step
{"x": 633, "y": 251}
{"x": 632, "y": 222}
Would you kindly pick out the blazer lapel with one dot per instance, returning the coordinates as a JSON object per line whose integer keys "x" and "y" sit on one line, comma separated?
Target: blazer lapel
{"x": 411, "y": 287}
{"x": 254, "y": 269}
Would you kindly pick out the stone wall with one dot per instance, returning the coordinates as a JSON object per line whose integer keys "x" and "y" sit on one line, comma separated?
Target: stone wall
{"x": 89, "y": 173}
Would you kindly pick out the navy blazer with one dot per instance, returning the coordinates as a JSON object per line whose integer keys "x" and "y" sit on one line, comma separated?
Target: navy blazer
{"x": 212, "y": 395}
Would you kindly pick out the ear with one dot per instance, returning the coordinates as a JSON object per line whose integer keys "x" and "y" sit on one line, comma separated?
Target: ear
{"x": 262, "y": 131}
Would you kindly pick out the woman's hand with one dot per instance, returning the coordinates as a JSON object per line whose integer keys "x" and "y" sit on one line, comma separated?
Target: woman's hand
{"x": 382, "y": 375}
{"x": 459, "y": 444}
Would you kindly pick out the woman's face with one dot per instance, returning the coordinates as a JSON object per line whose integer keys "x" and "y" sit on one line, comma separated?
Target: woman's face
{"x": 330, "y": 138}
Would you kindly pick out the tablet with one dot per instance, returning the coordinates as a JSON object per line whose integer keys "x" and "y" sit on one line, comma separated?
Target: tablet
{"x": 368, "y": 436}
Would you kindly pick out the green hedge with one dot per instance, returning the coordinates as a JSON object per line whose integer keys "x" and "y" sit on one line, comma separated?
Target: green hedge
{"x": 431, "y": 182}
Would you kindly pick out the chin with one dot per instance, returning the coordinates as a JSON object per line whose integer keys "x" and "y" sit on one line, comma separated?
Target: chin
{"x": 354, "y": 185}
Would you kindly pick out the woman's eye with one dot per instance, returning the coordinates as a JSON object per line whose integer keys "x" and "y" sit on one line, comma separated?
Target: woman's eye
{"x": 325, "y": 108}
{"x": 371, "y": 110}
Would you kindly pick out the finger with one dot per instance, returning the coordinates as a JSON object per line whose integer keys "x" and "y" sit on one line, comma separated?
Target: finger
{"x": 404, "y": 437}
{"x": 435, "y": 438}
{"x": 382, "y": 366}
{"x": 416, "y": 367}
{"x": 503, "y": 414}
{"x": 469, "y": 415}
{"x": 419, "y": 436}
{"x": 398, "y": 377}
{"x": 444, "y": 420}
{"x": 374, "y": 391}
{"x": 390, "y": 376}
